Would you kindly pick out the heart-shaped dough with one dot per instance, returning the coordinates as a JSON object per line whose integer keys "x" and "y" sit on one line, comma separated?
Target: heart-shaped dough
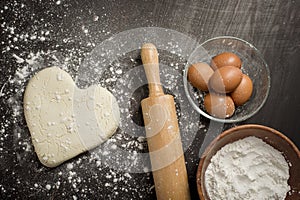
{"x": 64, "y": 120}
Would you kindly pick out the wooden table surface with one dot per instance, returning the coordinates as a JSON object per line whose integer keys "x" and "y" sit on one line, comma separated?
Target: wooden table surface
{"x": 65, "y": 31}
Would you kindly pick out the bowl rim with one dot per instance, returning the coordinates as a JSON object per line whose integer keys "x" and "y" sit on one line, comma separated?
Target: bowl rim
{"x": 203, "y": 113}
{"x": 232, "y": 130}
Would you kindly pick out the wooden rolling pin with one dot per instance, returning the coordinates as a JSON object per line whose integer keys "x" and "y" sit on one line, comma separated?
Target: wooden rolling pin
{"x": 163, "y": 137}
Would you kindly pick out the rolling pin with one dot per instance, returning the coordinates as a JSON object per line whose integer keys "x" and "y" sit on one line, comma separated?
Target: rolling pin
{"x": 162, "y": 131}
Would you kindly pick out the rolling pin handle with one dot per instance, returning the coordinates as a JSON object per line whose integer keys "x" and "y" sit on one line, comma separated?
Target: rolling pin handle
{"x": 150, "y": 61}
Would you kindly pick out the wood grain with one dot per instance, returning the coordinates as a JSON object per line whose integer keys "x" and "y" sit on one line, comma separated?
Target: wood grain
{"x": 163, "y": 137}
{"x": 272, "y": 26}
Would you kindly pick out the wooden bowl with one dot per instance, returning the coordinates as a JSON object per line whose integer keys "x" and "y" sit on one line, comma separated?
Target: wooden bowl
{"x": 270, "y": 136}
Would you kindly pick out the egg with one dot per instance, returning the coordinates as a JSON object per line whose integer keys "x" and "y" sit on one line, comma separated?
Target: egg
{"x": 225, "y": 79}
{"x": 243, "y": 91}
{"x": 199, "y": 74}
{"x": 219, "y": 105}
{"x": 226, "y": 59}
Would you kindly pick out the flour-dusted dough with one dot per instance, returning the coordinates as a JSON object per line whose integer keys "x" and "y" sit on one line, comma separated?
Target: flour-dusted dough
{"x": 64, "y": 120}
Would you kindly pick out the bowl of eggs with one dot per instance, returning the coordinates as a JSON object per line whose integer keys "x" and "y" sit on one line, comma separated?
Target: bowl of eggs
{"x": 226, "y": 79}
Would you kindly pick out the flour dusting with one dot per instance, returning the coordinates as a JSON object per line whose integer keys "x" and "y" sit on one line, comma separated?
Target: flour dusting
{"x": 62, "y": 33}
{"x": 28, "y": 50}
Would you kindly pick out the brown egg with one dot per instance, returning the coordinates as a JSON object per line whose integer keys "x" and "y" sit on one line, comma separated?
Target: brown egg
{"x": 199, "y": 74}
{"x": 225, "y": 59}
{"x": 243, "y": 92}
{"x": 219, "y": 105}
{"x": 225, "y": 79}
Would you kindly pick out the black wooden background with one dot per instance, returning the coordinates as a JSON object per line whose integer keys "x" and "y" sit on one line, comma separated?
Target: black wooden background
{"x": 71, "y": 29}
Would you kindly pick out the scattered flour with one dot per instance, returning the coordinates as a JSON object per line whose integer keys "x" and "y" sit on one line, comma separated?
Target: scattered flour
{"x": 48, "y": 187}
{"x": 30, "y": 49}
{"x": 25, "y": 53}
{"x": 247, "y": 169}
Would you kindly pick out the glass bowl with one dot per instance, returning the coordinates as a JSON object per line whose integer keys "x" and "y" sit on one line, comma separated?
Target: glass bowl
{"x": 253, "y": 65}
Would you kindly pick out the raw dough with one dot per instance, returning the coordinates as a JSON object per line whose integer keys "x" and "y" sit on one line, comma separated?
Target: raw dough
{"x": 64, "y": 120}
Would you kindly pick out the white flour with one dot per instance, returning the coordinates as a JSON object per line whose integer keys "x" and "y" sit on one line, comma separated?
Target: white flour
{"x": 247, "y": 169}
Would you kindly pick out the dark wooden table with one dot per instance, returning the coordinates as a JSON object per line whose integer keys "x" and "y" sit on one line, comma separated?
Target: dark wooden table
{"x": 36, "y": 34}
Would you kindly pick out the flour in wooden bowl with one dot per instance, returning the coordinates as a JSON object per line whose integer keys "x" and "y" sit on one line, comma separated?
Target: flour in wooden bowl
{"x": 247, "y": 169}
